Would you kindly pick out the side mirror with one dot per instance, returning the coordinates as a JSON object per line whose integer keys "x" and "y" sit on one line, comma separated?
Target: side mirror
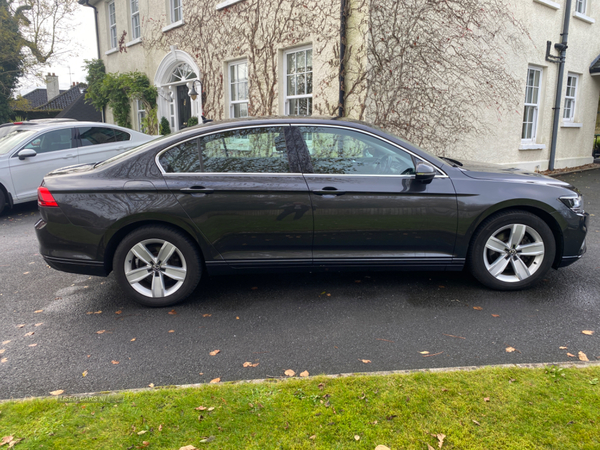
{"x": 424, "y": 173}
{"x": 26, "y": 153}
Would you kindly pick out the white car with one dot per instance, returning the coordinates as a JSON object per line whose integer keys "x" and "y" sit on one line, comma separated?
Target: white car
{"x": 30, "y": 151}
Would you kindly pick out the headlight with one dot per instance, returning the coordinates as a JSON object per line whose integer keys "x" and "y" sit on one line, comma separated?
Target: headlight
{"x": 574, "y": 203}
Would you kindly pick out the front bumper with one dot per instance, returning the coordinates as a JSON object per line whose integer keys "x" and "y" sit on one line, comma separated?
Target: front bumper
{"x": 574, "y": 241}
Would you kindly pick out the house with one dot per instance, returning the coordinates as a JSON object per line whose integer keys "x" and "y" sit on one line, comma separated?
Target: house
{"x": 65, "y": 103}
{"x": 463, "y": 82}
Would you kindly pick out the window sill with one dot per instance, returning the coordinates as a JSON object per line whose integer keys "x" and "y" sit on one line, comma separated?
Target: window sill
{"x": 134, "y": 42}
{"x": 548, "y": 3}
{"x": 111, "y": 51}
{"x": 571, "y": 125}
{"x": 173, "y": 25}
{"x": 227, "y": 3}
{"x": 532, "y": 147}
{"x": 583, "y": 17}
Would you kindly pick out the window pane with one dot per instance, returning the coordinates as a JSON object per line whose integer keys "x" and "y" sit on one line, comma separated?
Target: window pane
{"x": 122, "y": 135}
{"x": 308, "y": 60}
{"x": 301, "y": 86}
{"x": 291, "y": 85}
{"x": 291, "y": 63}
{"x": 309, "y": 85}
{"x": 134, "y": 6}
{"x": 345, "y": 152}
{"x": 182, "y": 159}
{"x": 259, "y": 150}
{"x": 96, "y": 135}
{"x": 233, "y": 74}
{"x": 300, "y": 62}
{"x": 240, "y": 110}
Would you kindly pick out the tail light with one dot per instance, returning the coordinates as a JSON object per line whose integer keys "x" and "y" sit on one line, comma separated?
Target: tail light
{"x": 45, "y": 198}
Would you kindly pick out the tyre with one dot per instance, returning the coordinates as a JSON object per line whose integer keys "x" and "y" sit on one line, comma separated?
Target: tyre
{"x": 511, "y": 250}
{"x": 157, "y": 265}
{"x": 2, "y": 201}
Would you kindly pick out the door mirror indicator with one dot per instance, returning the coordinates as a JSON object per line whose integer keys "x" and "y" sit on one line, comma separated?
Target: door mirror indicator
{"x": 26, "y": 153}
{"x": 425, "y": 173}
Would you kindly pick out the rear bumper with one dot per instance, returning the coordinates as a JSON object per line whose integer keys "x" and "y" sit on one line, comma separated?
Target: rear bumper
{"x": 77, "y": 266}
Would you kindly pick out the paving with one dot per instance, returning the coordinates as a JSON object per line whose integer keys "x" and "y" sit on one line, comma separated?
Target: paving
{"x": 54, "y": 327}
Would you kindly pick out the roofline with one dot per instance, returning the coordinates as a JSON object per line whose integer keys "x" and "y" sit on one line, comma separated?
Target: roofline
{"x": 595, "y": 70}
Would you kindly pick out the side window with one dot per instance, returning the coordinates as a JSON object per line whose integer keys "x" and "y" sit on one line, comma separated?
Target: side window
{"x": 346, "y": 152}
{"x": 122, "y": 136}
{"x": 257, "y": 150}
{"x": 52, "y": 141}
{"x": 183, "y": 158}
{"x": 96, "y": 135}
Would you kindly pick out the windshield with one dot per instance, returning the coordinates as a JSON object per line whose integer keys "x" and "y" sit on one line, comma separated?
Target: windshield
{"x": 139, "y": 148}
{"x": 14, "y": 139}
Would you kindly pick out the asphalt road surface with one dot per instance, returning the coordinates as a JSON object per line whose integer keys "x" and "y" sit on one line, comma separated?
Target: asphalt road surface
{"x": 54, "y": 326}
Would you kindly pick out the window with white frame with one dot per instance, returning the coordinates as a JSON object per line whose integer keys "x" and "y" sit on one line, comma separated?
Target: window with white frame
{"x": 238, "y": 89}
{"x": 298, "y": 82}
{"x": 580, "y": 6}
{"x": 570, "y": 97}
{"x": 112, "y": 24}
{"x": 141, "y": 114}
{"x": 175, "y": 6}
{"x": 135, "y": 19}
{"x": 532, "y": 104}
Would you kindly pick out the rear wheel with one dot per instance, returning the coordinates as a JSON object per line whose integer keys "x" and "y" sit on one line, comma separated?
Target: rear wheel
{"x": 2, "y": 201}
{"x": 512, "y": 250}
{"x": 157, "y": 265}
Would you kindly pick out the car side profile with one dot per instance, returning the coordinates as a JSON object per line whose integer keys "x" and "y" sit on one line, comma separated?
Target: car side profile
{"x": 29, "y": 150}
{"x": 292, "y": 194}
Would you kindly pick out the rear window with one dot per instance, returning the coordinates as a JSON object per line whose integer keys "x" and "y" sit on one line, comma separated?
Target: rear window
{"x": 14, "y": 139}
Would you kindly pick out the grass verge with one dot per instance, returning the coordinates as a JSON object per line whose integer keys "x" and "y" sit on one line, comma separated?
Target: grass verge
{"x": 490, "y": 408}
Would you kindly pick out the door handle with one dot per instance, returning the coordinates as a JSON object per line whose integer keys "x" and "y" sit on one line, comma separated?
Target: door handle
{"x": 70, "y": 155}
{"x": 328, "y": 191}
{"x": 197, "y": 190}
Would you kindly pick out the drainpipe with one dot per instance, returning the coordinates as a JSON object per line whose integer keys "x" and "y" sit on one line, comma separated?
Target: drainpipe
{"x": 87, "y": 3}
{"x": 562, "y": 47}
{"x": 342, "y": 56}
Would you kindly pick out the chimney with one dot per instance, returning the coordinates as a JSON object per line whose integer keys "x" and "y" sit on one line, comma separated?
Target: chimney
{"x": 52, "y": 86}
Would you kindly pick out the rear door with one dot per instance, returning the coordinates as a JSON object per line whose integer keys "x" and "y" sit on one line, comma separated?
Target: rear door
{"x": 367, "y": 206}
{"x": 54, "y": 149}
{"x": 243, "y": 190}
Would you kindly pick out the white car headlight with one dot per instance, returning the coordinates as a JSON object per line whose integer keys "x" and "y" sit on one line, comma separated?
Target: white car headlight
{"x": 573, "y": 203}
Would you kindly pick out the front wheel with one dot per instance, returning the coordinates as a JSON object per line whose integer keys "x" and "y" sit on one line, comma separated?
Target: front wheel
{"x": 512, "y": 250}
{"x": 157, "y": 266}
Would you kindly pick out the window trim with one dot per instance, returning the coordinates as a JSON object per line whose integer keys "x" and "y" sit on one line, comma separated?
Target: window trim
{"x": 571, "y": 118}
{"x": 172, "y": 12}
{"x": 286, "y": 97}
{"x": 112, "y": 26}
{"x": 132, "y": 17}
{"x": 548, "y": 3}
{"x": 536, "y": 120}
{"x": 229, "y": 83}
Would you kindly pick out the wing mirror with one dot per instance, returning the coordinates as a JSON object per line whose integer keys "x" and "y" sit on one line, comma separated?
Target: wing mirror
{"x": 424, "y": 173}
{"x": 26, "y": 153}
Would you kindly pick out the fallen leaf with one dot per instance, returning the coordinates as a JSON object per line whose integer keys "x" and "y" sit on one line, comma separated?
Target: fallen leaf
{"x": 32, "y": 345}
{"x": 171, "y": 331}
{"x": 237, "y": 318}
{"x": 31, "y": 333}
{"x": 212, "y": 408}
{"x": 3, "y": 360}
{"x": 118, "y": 312}
{"x": 188, "y": 447}
{"x": 510, "y": 349}
{"x": 100, "y": 332}
{"x": 206, "y": 315}
{"x": 366, "y": 361}
{"x": 21, "y": 325}
{"x": 304, "y": 374}
{"x": 478, "y": 308}
{"x": 382, "y": 447}
{"x": 424, "y": 353}
{"x": 214, "y": 352}
{"x": 571, "y": 355}
{"x": 200, "y": 408}
{"x": 215, "y": 380}
{"x": 6, "y": 440}
{"x": 172, "y": 312}
{"x": 583, "y": 357}
{"x": 356, "y": 437}
{"x": 38, "y": 324}
{"x": 562, "y": 348}
{"x": 151, "y": 385}
{"x": 290, "y": 373}
{"x": 2, "y": 350}
{"x": 588, "y": 332}
{"x": 132, "y": 340}
{"x": 142, "y": 432}
{"x": 433, "y": 354}
{"x": 314, "y": 436}
{"x": 85, "y": 372}
{"x": 5, "y": 342}
{"x": 486, "y": 399}
{"x": 476, "y": 423}
{"x": 160, "y": 429}
{"x": 440, "y": 437}
{"x": 114, "y": 362}
{"x": 38, "y": 311}
{"x": 145, "y": 443}
{"x": 58, "y": 392}
{"x": 495, "y": 315}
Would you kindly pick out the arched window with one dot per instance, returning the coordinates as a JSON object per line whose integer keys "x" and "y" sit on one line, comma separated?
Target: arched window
{"x": 183, "y": 72}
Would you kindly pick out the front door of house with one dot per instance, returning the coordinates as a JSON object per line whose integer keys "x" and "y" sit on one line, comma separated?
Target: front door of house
{"x": 184, "y": 106}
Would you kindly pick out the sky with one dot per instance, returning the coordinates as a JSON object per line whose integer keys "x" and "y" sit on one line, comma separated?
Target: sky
{"x": 69, "y": 68}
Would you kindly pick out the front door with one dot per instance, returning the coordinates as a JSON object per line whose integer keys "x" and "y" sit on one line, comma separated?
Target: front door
{"x": 184, "y": 106}
{"x": 367, "y": 205}
{"x": 245, "y": 195}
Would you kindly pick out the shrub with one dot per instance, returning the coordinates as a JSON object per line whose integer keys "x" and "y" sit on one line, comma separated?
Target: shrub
{"x": 164, "y": 128}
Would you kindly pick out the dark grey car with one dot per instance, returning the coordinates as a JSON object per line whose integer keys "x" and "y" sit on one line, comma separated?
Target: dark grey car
{"x": 300, "y": 194}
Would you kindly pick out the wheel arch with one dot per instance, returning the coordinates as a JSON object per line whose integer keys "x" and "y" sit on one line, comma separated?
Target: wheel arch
{"x": 115, "y": 239}
{"x": 7, "y": 196}
{"x": 536, "y": 210}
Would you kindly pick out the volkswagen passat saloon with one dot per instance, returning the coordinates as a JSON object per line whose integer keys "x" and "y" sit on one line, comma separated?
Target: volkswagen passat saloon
{"x": 29, "y": 150}
{"x": 300, "y": 194}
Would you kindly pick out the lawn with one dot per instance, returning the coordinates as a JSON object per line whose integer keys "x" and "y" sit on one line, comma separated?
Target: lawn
{"x": 490, "y": 408}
